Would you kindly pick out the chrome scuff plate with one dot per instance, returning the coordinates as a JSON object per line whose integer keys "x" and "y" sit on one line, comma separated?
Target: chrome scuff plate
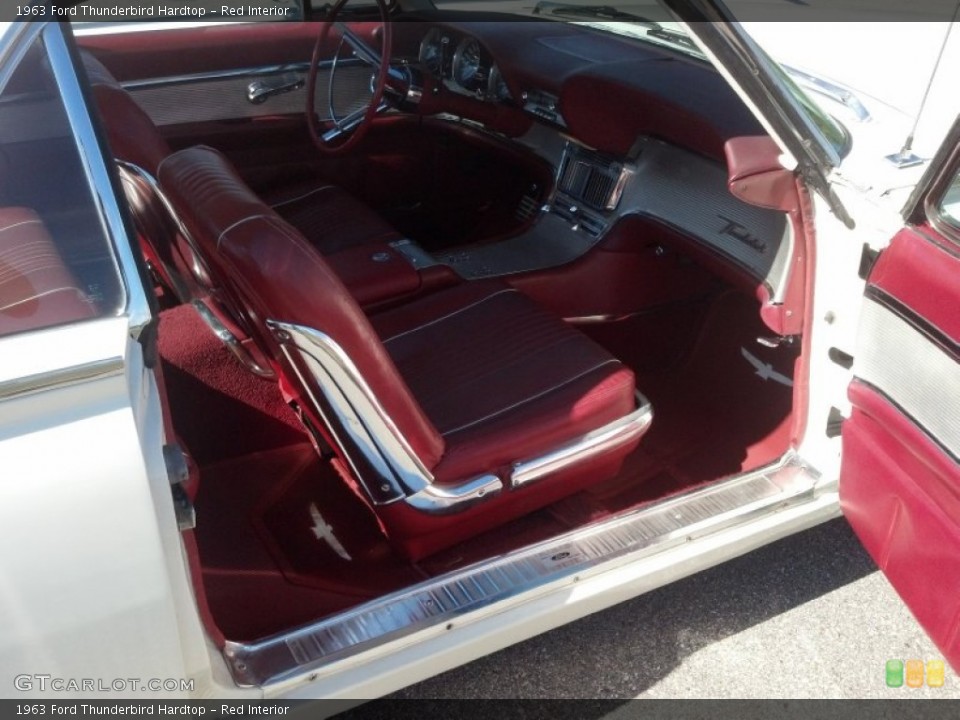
{"x": 593, "y": 549}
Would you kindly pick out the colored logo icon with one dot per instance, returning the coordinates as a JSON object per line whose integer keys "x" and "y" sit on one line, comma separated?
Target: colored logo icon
{"x": 935, "y": 673}
{"x": 894, "y": 673}
{"x": 911, "y": 673}
{"x": 914, "y": 673}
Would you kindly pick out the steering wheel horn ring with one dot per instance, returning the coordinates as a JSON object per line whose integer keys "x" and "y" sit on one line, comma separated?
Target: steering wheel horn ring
{"x": 355, "y": 125}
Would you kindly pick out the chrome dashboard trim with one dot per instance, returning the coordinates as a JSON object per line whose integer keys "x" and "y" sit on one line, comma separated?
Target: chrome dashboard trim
{"x": 665, "y": 183}
{"x": 611, "y": 436}
{"x": 450, "y": 599}
{"x": 60, "y": 378}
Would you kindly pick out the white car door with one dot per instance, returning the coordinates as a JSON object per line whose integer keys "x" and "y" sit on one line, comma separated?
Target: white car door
{"x": 92, "y": 578}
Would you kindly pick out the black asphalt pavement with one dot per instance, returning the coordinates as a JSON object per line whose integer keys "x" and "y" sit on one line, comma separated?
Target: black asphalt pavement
{"x": 806, "y": 617}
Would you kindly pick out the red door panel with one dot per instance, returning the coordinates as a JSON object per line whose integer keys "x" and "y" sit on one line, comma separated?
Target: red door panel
{"x": 184, "y": 51}
{"x": 900, "y": 478}
{"x": 187, "y": 80}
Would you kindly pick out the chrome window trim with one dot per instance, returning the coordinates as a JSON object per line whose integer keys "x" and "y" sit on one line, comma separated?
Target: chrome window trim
{"x": 135, "y": 303}
{"x": 13, "y": 51}
{"x": 61, "y": 378}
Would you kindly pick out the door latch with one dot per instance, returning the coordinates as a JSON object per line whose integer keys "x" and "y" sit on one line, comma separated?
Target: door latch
{"x": 259, "y": 91}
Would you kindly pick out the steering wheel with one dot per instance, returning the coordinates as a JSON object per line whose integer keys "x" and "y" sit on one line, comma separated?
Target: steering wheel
{"x": 350, "y": 129}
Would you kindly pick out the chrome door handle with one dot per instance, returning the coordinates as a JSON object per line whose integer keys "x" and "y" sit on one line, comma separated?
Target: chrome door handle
{"x": 260, "y": 91}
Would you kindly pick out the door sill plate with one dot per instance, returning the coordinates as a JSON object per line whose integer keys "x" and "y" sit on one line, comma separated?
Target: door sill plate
{"x": 595, "y": 548}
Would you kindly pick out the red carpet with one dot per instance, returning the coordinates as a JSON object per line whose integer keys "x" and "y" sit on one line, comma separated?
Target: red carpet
{"x": 262, "y": 488}
{"x": 263, "y": 567}
{"x": 220, "y": 410}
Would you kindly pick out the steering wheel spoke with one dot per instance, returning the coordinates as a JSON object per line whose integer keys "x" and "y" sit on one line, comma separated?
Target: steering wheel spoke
{"x": 350, "y": 122}
{"x": 348, "y": 130}
{"x": 360, "y": 48}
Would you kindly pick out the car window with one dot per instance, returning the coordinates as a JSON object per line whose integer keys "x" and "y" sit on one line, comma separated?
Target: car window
{"x": 56, "y": 261}
{"x": 950, "y": 203}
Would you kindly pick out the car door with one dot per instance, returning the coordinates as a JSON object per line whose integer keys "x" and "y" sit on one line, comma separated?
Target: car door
{"x": 237, "y": 86}
{"x": 93, "y": 579}
{"x": 900, "y": 473}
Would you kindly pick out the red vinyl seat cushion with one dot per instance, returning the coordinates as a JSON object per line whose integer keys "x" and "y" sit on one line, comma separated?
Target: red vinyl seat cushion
{"x": 36, "y": 287}
{"x": 500, "y": 378}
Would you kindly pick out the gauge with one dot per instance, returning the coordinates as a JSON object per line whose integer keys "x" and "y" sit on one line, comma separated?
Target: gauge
{"x": 496, "y": 86}
{"x": 467, "y": 66}
{"x": 432, "y": 50}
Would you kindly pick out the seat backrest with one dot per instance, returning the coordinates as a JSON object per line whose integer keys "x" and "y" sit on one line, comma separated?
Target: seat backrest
{"x": 36, "y": 287}
{"x": 131, "y": 134}
{"x": 139, "y": 148}
{"x": 276, "y": 275}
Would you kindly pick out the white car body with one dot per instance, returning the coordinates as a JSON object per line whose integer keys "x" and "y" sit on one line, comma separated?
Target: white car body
{"x": 85, "y": 505}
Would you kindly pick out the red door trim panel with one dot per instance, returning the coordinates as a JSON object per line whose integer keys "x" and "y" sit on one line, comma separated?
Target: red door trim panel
{"x": 900, "y": 473}
{"x": 900, "y": 493}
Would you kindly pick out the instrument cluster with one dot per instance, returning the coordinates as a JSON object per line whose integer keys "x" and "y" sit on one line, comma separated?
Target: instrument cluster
{"x": 462, "y": 64}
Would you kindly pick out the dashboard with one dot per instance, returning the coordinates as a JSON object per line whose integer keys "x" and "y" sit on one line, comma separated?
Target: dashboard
{"x": 462, "y": 64}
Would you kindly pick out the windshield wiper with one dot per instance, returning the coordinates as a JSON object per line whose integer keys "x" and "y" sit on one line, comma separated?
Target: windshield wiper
{"x": 608, "y": 12}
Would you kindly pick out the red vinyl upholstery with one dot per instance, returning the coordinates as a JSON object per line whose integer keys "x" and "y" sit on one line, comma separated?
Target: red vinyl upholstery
{"x": 36, "y": 288}
{"x": 475, "y": 377}
{"x": 500, "y": 378}
{"x": 131, "y": 134}
{"x": 330, "y": 218}
{"x": 273, "y": 272}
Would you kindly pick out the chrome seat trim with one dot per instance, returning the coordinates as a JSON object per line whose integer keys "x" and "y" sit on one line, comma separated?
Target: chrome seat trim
{"x": 444, "y": 499}
{"x": 611, "y": 436}
{"x": 378, "y": 453}
{"x": 380, "y": 456}
{"x": 230, "y": 340}
{"x": 577, "y": 555}
{"x": 198, "y": 267}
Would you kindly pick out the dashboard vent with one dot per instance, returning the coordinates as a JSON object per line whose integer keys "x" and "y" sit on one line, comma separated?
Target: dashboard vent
{"x": 593, "y": 179}
{"x": 527, "y": 207}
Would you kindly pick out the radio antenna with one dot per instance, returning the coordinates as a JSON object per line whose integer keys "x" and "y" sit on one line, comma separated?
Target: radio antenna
{"x": 906, "y": 157}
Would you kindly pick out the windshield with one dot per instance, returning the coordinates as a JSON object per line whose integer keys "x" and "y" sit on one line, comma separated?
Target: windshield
{"x": 648, "y": 21}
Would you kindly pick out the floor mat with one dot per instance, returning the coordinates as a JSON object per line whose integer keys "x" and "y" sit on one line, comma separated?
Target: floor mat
{"x": 263, "y": 568}
{"x": 323, "y": 536}
{"x": 725, "y": 409}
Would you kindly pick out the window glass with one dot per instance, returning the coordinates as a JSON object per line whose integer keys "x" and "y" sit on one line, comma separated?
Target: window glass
{"x": 56, "y": 262}
{"x": 950, "y": 204}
